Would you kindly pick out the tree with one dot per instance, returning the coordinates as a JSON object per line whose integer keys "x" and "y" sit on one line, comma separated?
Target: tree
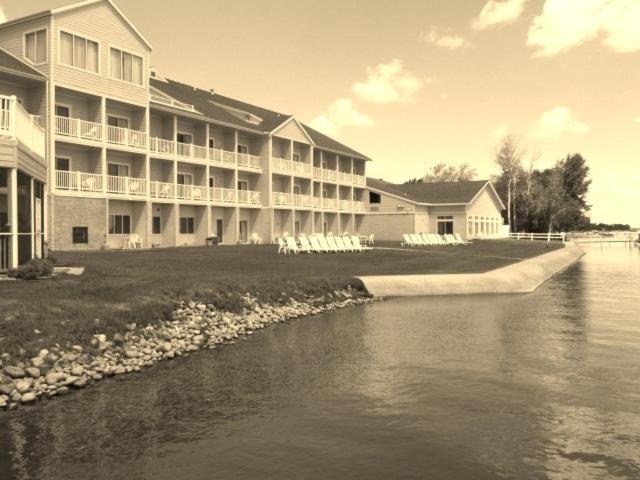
{"x": 509, "y": 159}
{"x": 441, "y": 172}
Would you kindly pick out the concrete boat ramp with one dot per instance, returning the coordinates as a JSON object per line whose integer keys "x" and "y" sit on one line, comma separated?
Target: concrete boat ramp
{"x": 522, "y": 277}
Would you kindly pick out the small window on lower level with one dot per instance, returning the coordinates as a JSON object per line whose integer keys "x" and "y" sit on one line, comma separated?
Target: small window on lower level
{"x": 187, "y": 225}
{"x": 80, "y": 234}
{"x": 374, "y": 197}
{"x": 156, "y": 225}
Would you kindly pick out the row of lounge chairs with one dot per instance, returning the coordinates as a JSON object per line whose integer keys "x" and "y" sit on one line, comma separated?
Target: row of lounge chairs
{"x": 432, "y": 239}
{"x": 318, "y": 243}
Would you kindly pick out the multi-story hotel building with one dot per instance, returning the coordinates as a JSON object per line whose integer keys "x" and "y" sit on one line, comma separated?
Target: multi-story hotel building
{"x": 100, "y": 148}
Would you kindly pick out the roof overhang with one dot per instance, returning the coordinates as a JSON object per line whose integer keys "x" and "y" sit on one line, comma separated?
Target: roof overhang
{"x": 423, "y": 204}
{"x": 298, "y": 124}
{"x": 495, "y": 193}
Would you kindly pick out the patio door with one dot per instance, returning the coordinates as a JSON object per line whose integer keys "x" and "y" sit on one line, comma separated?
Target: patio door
{"x": 244, "y": 227}
{"x": 219, "y": 229}
{"x": 38, "y": 230}
{"x": 296, "y": 227}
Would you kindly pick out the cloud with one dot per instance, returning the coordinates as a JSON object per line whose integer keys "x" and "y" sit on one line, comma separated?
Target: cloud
{"x": 496, "y": 12}
{"x": 446, "y": 39}
{"x": 558, "y": 121}
{"x": 340, "y": 114}
{"x": 501, "y": 131}
{"x": 564, "y": 24}
{"x": 386, "y": 83}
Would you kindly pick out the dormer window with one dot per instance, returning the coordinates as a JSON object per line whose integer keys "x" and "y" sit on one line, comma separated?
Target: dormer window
{"x": 35, "y": 46}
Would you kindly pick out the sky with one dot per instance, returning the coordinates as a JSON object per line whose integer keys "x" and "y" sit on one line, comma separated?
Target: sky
{"x": 411, "y": 83}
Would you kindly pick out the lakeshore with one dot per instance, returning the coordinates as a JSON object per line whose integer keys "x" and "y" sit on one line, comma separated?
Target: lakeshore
{"x": 132, "y": 309}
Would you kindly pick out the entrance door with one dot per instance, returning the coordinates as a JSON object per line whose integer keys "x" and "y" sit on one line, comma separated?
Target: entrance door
{"x": 324, "y": 228}
{"x": 296, "y": 227}
{"x": 219, "y": 229}
{"x": 244, "y": 227}
{"x": 38, "y": 230}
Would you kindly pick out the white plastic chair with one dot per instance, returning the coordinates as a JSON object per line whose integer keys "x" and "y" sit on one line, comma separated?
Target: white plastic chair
{"x": 282, "y": 247}
{"x": 133, "y": 241}
{"x": 407, "y": 241}
{"x": 292, "y": 246}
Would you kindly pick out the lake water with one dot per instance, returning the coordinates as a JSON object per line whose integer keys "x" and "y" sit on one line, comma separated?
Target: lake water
{"x": 542, "y": 385}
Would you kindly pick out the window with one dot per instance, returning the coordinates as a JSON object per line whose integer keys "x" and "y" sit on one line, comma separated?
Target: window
{"x": 78, "y": 52}
{"x": 156, "y": 225}
{"x": 80, "y": 234}
{"x": 212, "y": 182}
{"x": 63, "y": 111}
{"x": 63, "y": 164}
{"x": 119, "y": 122}
{"x": 125, "y": 66}
{"x": 296, "y": 157}
{"x": 244, "y": 185}
{"x": 117, "y": 170}
{"x": 35, "y": 46}
{"x": 374, "y": 197}
{"x": 119, "y": 224}
{"x": 185, "y": 179}
{"x": 187, "y": 225}
{"x": 296, "y": 189}
{"x": 212, "y": 143}
{"x": 243, "y": 149}
{"x": 184, "y": 138}
{"x": 445, "y": 224}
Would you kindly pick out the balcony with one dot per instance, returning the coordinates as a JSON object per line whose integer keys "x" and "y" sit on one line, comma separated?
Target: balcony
{"x": 330, "y": 175}
{"x": 281, "y": 199}
{"x": 345, "y": 204}
{"x": 189, "y": 150}
{"x": 79, "y": 181}
{"x": 17, "y": 123}
{"x": 358, "y": 206}
{"x": 126, "y": 138}
{"x": 303, "y": 201}
{"x": 191, "y": 192}
{"x": 222, "y": 195}
{"x": 282, "y": 165}
{"x": 302, "y": 169}
{"x": 249, "y": 197}
{"x": 345, "y": 177}
{"x": 329, "y": 203}
{"x": 128, "y": 186}
{"x": 317, "y": 172}
{"x": 162, "y": 190}
{"x": 359, "y": 180}
{"x": 163, "y": 147}
{"x": 249, "y": 161}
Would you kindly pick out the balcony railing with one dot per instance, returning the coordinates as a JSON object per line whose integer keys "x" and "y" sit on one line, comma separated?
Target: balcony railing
{"x": 345, "y": 177}
{"x": 329, "y": 203}
{"x": 126, "y": 137}
{"x": 172, "y": 102}
{"x": 17, "y": 123}
{"x": 126, "y": 185}
{"x": 79, "y": 181}
{"x": 345, "y": 204}
{"x": 228, "y": 158}
{"x": 359, "y": 180}
{"x": 161, "y": 190}
{"x": 316, "y": 202}
{"x": 282, "y": 165}
{"x": 249, "y": 197}
{"x": 358, "y": 206}
{"x": 222, "y": 195}
{"x": 305, "y": 201}
{"x": 191, "y": 192}
{"x": 317, "y": 172}
{"x": 162, "y": 146}
{"x": 282, "y": 199}
{"x": 249, "y": 161}
{"x": 302, "y": 169}
{"x": 331, "y": 175}
{"x": 80, "y": 129}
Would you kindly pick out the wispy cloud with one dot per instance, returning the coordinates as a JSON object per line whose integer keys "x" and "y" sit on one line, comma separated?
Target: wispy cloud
{"x": 340, "y": 114}
{"x": 496, "y": 12}
{"x": 445, "y": 39}
{"x": 564, "y": 24}
{"x": 386, "y": 83}
{"x": 556, "y": 122}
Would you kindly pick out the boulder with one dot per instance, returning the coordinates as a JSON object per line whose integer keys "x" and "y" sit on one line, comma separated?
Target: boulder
{"x": 77, "y": 370}
{"x": 131, "y": 353}
{"x": 15, "y": 372}
{"x": 37, "y": 362}
{"x": 7, "y": 388}
{"x": 28, "y": 397}
{"x": 23, "y": 385}
{"x": 33, "y": 372}
{"x": 54, "y": 377}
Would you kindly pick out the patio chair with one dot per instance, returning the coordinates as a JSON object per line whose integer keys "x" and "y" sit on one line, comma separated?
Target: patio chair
{"x": 332, "y": 244}
{"x": 370, "y": 241}
{"x": 426, "y": 239}
{"x": 407, "y": 242}
{"x": 133, "y": 241}
{"x": 305, "y": 246}
{"x": 416, "y": 239}
{"x": 255, "y": 239}
{"x": 282, "y": 247}
{"x": 355, "y": 240}
{"x": 349, "y": 245}
{"x": 461, "y": 240}
{"x": 451, "y": 239}
{"x": 340, "y": 244}
{"x": 89, "y": 184}
{"x": 196, "y": 193}
{"x": 292, "y": 246}
{"x": 322, "y": 240}
{"x": 315, "y": 245}
{"x": 165, "y": 191}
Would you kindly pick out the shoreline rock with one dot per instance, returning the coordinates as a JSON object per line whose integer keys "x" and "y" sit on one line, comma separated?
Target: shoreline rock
{"x": 194, "y": 326}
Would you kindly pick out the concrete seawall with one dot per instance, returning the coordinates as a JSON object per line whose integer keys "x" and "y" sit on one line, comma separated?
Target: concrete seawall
{"x": 521, "y": 277}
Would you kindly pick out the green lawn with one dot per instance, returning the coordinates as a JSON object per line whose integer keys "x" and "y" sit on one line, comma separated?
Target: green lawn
{"x": 119, "y": 287}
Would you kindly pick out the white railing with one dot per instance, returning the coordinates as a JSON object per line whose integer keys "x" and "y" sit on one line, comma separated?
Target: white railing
{"x": 228, "y": 158}
{"x": 329, "y": 175}
{"x": 78, "y": 181}
{"x": 305, "y": 201}
{"x": 215, "y": 155}
{"x": 162, "y": 146}
{"x": 345, "y": 177}
{"x": 345, "y": 204}
{"x": 282, "y": 165}
{"x": 17, "y": 123}
{"x": 126, "y": 185}
{"x": 161, "y": 189}
{"x": 358, "y": 206}
{"x": 184, "y": 149}
{"x": 359, "y": 180}
{"x": 302, "y": 169}
{"x": 317, "y": 172}
{"x": 249, "y": 197}
{"x": 282, "y": 199}
{"x": 81, "y": 129}
{"x": 172, "y": 102}
{"x": 249, "y": 161}
{"x": 369, "y": 207}
{"x": 222, "y": 195}
{"x": 539, "y": 236}
{"x": 316, "y": 202}
{"x": 126, "y": 137}
{"x": 190, "y": 192}
{"x": 329, "y": 203}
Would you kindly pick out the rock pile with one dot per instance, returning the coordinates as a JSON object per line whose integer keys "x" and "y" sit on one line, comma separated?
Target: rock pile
{"x": 194, "y": 326}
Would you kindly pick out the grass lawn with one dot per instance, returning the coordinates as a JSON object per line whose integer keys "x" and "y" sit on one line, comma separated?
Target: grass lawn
{"x": 119, "y": 287}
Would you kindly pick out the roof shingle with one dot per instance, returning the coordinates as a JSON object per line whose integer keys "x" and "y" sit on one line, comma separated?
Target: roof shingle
{"x": 431, "y": 193}
{"x": 9, "y": 62}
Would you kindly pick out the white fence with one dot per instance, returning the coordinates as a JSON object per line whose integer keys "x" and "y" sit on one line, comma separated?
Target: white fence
{"x": 547, "y": 237}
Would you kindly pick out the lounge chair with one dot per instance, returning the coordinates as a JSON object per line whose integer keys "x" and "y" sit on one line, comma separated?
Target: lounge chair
{"x": 305, "y": 246}
{"x": 426, "y": 239}
{"x": 461, "y": 240}
{"x": 417, "y": 240}
{"x": 348, "y": 244}
{"x": 322, "y": 240}
{"x": 292, "y": 245}
{"x": 315, "y": 245}
{"x": 407, "y": 242}
{"x": 282, "y": 247}
{"x": 358, "y": 247}
{"x": 341, "y": 245}
{"x": 332, "y": 244}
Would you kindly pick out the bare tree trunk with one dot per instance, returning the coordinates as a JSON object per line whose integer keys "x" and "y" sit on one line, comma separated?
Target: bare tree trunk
{"x": 515, "y": 184}
{"x": 509, "y": 203}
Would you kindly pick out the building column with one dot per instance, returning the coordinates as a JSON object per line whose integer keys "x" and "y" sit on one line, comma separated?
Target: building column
{"x": 12, "y": 184}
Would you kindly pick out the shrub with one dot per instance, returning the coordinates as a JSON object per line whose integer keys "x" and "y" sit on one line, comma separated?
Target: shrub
{"x": 32, "y": 270}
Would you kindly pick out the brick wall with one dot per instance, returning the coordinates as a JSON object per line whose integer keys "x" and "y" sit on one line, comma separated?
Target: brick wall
{"x": 69, "y": 212}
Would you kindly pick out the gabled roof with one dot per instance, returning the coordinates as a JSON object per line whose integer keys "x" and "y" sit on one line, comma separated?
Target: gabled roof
{"x": 74, "y": 6}
{"x": 328, "y": 143}
{"x": 14, "y": 65}
{"x": 443, "y": 193}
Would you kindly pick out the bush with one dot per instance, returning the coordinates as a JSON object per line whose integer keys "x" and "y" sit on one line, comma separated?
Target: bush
{"x": 32, "y": 270}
